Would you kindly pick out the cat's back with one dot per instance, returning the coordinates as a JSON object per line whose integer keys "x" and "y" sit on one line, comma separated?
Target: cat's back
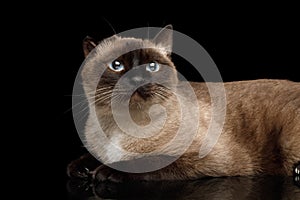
{"x": 253, "y": 90}
{"x": 264, "y": 91}
{"x": 261, "y": 85}
{"x": 265, "y": 99}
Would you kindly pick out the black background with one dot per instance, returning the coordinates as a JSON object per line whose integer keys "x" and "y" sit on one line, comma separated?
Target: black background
{"x": 244, "y": 45}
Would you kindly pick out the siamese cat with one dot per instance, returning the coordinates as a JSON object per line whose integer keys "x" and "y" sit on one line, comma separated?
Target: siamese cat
{"x": 260, "y": 135}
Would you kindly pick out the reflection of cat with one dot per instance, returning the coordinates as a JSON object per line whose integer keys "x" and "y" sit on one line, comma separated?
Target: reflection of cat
{"x": 212, "y": 188}
{"x": 261, "y": 134}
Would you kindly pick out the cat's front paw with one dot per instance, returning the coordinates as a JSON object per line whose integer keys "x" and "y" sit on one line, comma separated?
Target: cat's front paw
{"x": 83, "y": 166}
{"x": 76, "y": 170}
{"x": 105, "y": 173}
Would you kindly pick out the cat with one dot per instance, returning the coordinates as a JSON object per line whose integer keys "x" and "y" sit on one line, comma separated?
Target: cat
{"x": 261, "y": 132}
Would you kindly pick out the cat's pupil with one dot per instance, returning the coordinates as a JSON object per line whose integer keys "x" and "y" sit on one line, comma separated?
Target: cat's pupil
{"x": 116, "y": 66}
{"x": 152, "y": 67}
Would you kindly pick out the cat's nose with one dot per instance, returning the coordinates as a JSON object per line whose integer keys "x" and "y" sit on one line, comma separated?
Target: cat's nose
{"x": 137, "y": 80}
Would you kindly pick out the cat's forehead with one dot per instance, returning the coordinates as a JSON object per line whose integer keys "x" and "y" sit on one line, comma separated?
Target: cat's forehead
{"x": 116, "y": 46}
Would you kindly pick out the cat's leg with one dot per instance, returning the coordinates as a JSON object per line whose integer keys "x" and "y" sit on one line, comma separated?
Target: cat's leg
{"x": 290, "y": 146}
{"x": 83, "y": 166}
{"x": 182, "y": 169}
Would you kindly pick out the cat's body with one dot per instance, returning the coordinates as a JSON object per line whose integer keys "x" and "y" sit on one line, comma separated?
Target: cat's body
{"x": 261, "y": 133}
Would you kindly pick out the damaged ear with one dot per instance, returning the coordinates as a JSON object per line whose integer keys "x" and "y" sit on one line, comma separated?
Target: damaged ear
{"x": 88, "y": 45}
{"x": 165, "y": 38}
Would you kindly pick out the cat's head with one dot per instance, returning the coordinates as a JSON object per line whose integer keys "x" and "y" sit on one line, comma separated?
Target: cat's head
{"x": 143, "y": 65}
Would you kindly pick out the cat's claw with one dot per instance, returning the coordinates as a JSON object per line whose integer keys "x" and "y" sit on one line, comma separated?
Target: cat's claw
{"x": 297, "y": 174}
{"x": 297, "y": 170}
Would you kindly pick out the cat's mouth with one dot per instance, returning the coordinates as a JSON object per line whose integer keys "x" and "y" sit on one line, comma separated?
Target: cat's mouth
{"x": 141, "y": 94}
{"x": 150, "y": 91}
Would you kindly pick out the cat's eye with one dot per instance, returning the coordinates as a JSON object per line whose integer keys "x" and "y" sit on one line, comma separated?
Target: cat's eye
{"x": 116, "y": 66}
{"x": 152, "y": 67}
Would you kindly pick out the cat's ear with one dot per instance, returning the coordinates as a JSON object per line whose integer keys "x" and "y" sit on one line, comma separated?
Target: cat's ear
{"x": 165, "y": 38}
{"x": 88, "y": 45}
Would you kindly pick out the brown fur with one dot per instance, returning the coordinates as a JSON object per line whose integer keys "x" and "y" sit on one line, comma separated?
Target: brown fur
{"x": 261, "y": 134}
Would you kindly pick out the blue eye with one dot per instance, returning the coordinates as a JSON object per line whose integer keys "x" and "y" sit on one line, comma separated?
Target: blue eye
{"x": 116, "y": 66}
{"x": 152, "y": 67}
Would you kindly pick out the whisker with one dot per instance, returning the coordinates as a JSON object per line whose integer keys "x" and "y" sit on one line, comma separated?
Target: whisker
{"x": 84, "y": 116}
{"x": 84, "y": 109}
{"x": 87, "y": 102}
{"x": 109, "y": 25}
{"x": 104, "y": 93}
{"x": 160, "y": 95}
{"x": 163, "y": 93}
{"x": 74, "y": 106}
{"x": 103, "y": 88}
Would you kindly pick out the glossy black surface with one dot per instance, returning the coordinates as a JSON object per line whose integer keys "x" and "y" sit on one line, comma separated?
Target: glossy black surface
{"x": 211, "y": 188}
